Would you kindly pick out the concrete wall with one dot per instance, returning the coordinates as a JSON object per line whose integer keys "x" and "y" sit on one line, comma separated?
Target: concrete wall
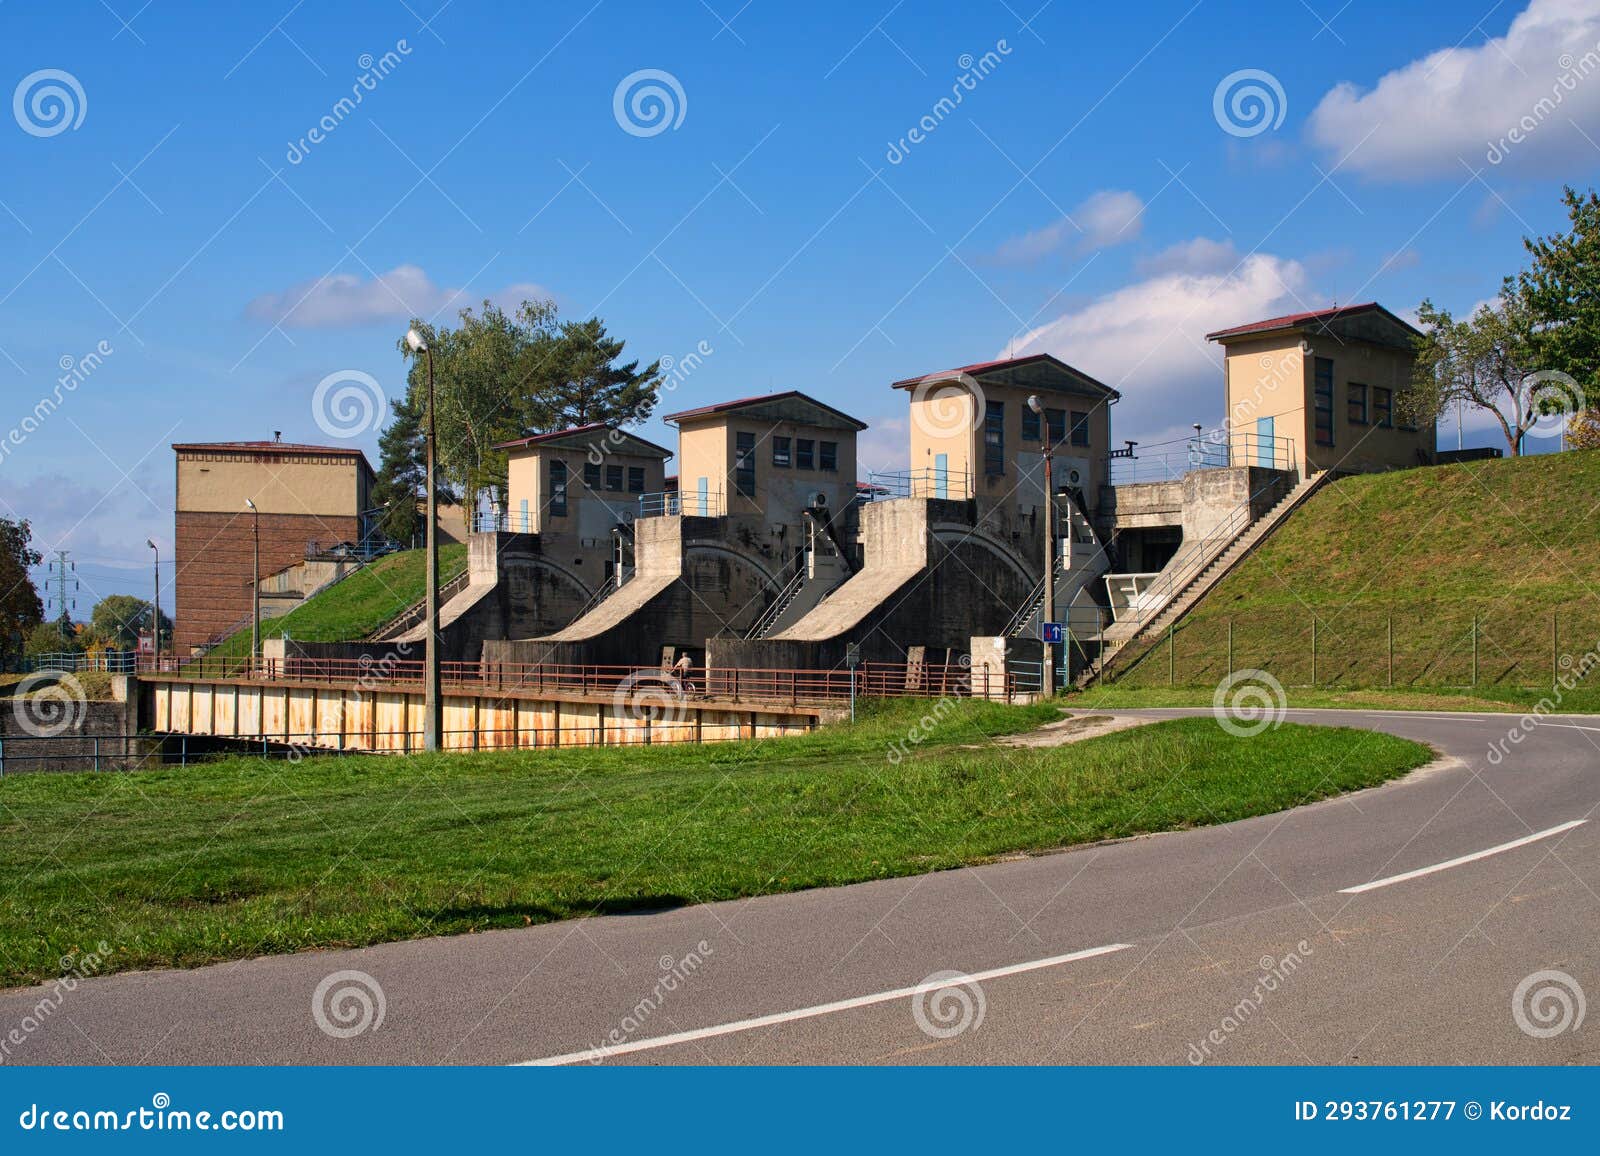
{"x": 319, "y": 716}
{"x": 1211, "y": 497}
{"x": 96, "y": 728}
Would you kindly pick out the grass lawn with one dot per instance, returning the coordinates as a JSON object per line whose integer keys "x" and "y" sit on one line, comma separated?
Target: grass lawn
{"x": 1512, "y": 544}
{"x": 357, "y": 606}
{"x": 244, "y": 857}
{"x": 1509, "y": 700}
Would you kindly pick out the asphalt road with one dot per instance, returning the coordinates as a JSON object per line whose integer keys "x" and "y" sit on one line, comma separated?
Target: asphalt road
{"x": 1232, "y": 944}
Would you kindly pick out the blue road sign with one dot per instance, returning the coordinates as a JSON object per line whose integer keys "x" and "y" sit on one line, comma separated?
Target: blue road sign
{"x": 1052, "y": 632}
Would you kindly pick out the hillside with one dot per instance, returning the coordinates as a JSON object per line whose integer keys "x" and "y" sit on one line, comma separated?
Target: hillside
{"x": 1512, "y": 544}
{"x": 357, "y": 606}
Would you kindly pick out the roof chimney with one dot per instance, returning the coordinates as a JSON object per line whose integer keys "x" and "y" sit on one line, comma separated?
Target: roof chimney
{"x": 277, "y": 435}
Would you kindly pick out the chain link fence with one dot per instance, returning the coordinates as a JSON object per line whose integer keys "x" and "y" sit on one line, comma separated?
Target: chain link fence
{"x": 1444, "y": 648}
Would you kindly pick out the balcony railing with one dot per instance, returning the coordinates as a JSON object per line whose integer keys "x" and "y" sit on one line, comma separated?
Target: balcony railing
{"x": 925, "y": 483}
{"x": 687, "y": 503}
{"x": 1212, "y": 450}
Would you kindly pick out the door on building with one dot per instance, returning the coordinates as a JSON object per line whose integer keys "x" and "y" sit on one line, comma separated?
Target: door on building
{"x": 703, "y": 492}
{"x": 941, "y": 475}
{"x": 1266, "y": 444}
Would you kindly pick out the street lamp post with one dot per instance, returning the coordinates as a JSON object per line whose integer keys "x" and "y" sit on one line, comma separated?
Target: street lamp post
{"x": 255, "y": 581}
{"x": 433, "y": 706}
{"x": 155, "y": 607}
{"x": 1048, "y": 610}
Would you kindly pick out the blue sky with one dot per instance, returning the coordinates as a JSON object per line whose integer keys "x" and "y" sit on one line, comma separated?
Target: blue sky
{"x": 1085, "y": 196}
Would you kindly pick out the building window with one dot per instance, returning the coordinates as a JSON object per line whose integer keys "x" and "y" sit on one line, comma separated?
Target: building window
{"x": 1030, "y": 425}
{"x": 780, "y": 453}
{"x": 635, "y": 479}
{"x": 1322, "y": 396}
{"x": 744, "y": 464}
{"x": 805, "y": 454}
{"x": 1356, "y": 403}
{"x": 829, "y": 456}
{"x": 558, "y": 488}
{"x": 1080, "y": 428}
{"x": 1383, "y": 407}
{"x": 994, "y": 438}
{"x": 1055, "y": 421}
{"x": 614, "y": 478}
{"x": 591, "y": 475}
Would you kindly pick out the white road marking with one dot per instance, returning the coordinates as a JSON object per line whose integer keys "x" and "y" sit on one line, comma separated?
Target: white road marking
{"x": 1476, "y": 855}
{"x": 603, "y": 1052}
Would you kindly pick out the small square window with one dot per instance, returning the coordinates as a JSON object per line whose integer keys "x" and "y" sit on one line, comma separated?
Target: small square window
{"x": 635, "y": 479}
{"x": 1383, "y": 407}
{"x": 805, "y": 454}
{"x": 591, "y": 475}
{"x": 780, "y": 453}
{"x": 1030, "y": 425}
{"x": 1080, "y": 428}
{"x": 558, "y": 489}
{"x": 829, "y": 456}
{"x": 744, "y": 464}
{"x": 614, "y": 478}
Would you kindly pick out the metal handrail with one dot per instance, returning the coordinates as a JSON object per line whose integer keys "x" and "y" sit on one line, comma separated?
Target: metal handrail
{"x": 675, "y": 503}
{"x": 779, "y": 604}
{"x": 418, "y": 610}
{"x": 885, "y": 485}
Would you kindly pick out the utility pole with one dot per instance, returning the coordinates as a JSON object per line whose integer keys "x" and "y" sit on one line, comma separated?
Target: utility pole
{"x": 60, "y": 580}
{"x": 433, "y": 705}
{"x": 1047, "y": 612}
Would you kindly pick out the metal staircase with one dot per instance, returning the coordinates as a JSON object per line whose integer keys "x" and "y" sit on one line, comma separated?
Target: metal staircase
{"x": 414, "y": 615}
{"x": 782, "y": 602}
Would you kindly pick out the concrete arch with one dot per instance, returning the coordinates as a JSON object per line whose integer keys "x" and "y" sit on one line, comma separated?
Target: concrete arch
{"x": 955, "y": 534}
{"x": 708, "y": 546}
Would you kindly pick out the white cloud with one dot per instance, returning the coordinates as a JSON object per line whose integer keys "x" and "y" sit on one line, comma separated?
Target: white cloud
{"x": 883, "y": 444}
{"x": 1109, "y": 217}
{"x": 1515, "y": 99}
{"x": 1147, "y": 339}
{"x": 345, "y": 300}
{"x": 1200, "y": 255}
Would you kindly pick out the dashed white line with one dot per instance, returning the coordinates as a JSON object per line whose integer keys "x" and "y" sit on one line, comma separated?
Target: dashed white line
{"x": 822, "y": 1009}
{"x": 1472, "y": 858}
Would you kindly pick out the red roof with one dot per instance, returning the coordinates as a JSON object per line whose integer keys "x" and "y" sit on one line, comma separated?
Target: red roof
{"x": 1311, "y": 317}
{"x": 571, "y": 431}
{"x": 741, "y": 403}
{"x": 981, "y": 367}
{"x": 274, "y": 447}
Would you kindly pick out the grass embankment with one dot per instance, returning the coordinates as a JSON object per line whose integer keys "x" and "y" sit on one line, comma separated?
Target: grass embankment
{"x": 1495, "y": 699}
{"x": 355, "y": 607}
{"x": 244, "y": 857}
{"x": 1513, "y": 544}
{"x": 96, "y": 684}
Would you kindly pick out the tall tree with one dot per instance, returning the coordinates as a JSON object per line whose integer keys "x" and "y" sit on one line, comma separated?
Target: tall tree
{"x": 500, "y": 376}
{"x": 20, "y": 607}
{"x": 591, "y": 386}
{"x": 118, "y": 619}
{"x": 1562, "y": 289}
{"x": 401, "y": 471}
{"x": 1490, "y": 361}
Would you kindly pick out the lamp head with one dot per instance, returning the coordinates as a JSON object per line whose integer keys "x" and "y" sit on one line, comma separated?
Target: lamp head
{"x": 149, "y": 542}
{"x": 1033, "y": 403}
{"x": 415, "y": 341}
{"x": 251, "y": 506}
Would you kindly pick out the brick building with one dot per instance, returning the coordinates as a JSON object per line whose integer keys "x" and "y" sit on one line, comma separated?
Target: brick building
{"x": 308, "y": 497}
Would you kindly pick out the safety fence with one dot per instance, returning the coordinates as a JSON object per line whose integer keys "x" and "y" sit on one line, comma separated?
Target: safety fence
{"x": 730, "y": 684}
{"x": 1450, "y": 648}
{"x": 1210, "y": 450}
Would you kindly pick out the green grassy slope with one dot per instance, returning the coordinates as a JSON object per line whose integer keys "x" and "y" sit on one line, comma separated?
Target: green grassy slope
{"x": 244, "y": 857}
{"x": 1514, "y": 544}
{"x": 360, "y": 604}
